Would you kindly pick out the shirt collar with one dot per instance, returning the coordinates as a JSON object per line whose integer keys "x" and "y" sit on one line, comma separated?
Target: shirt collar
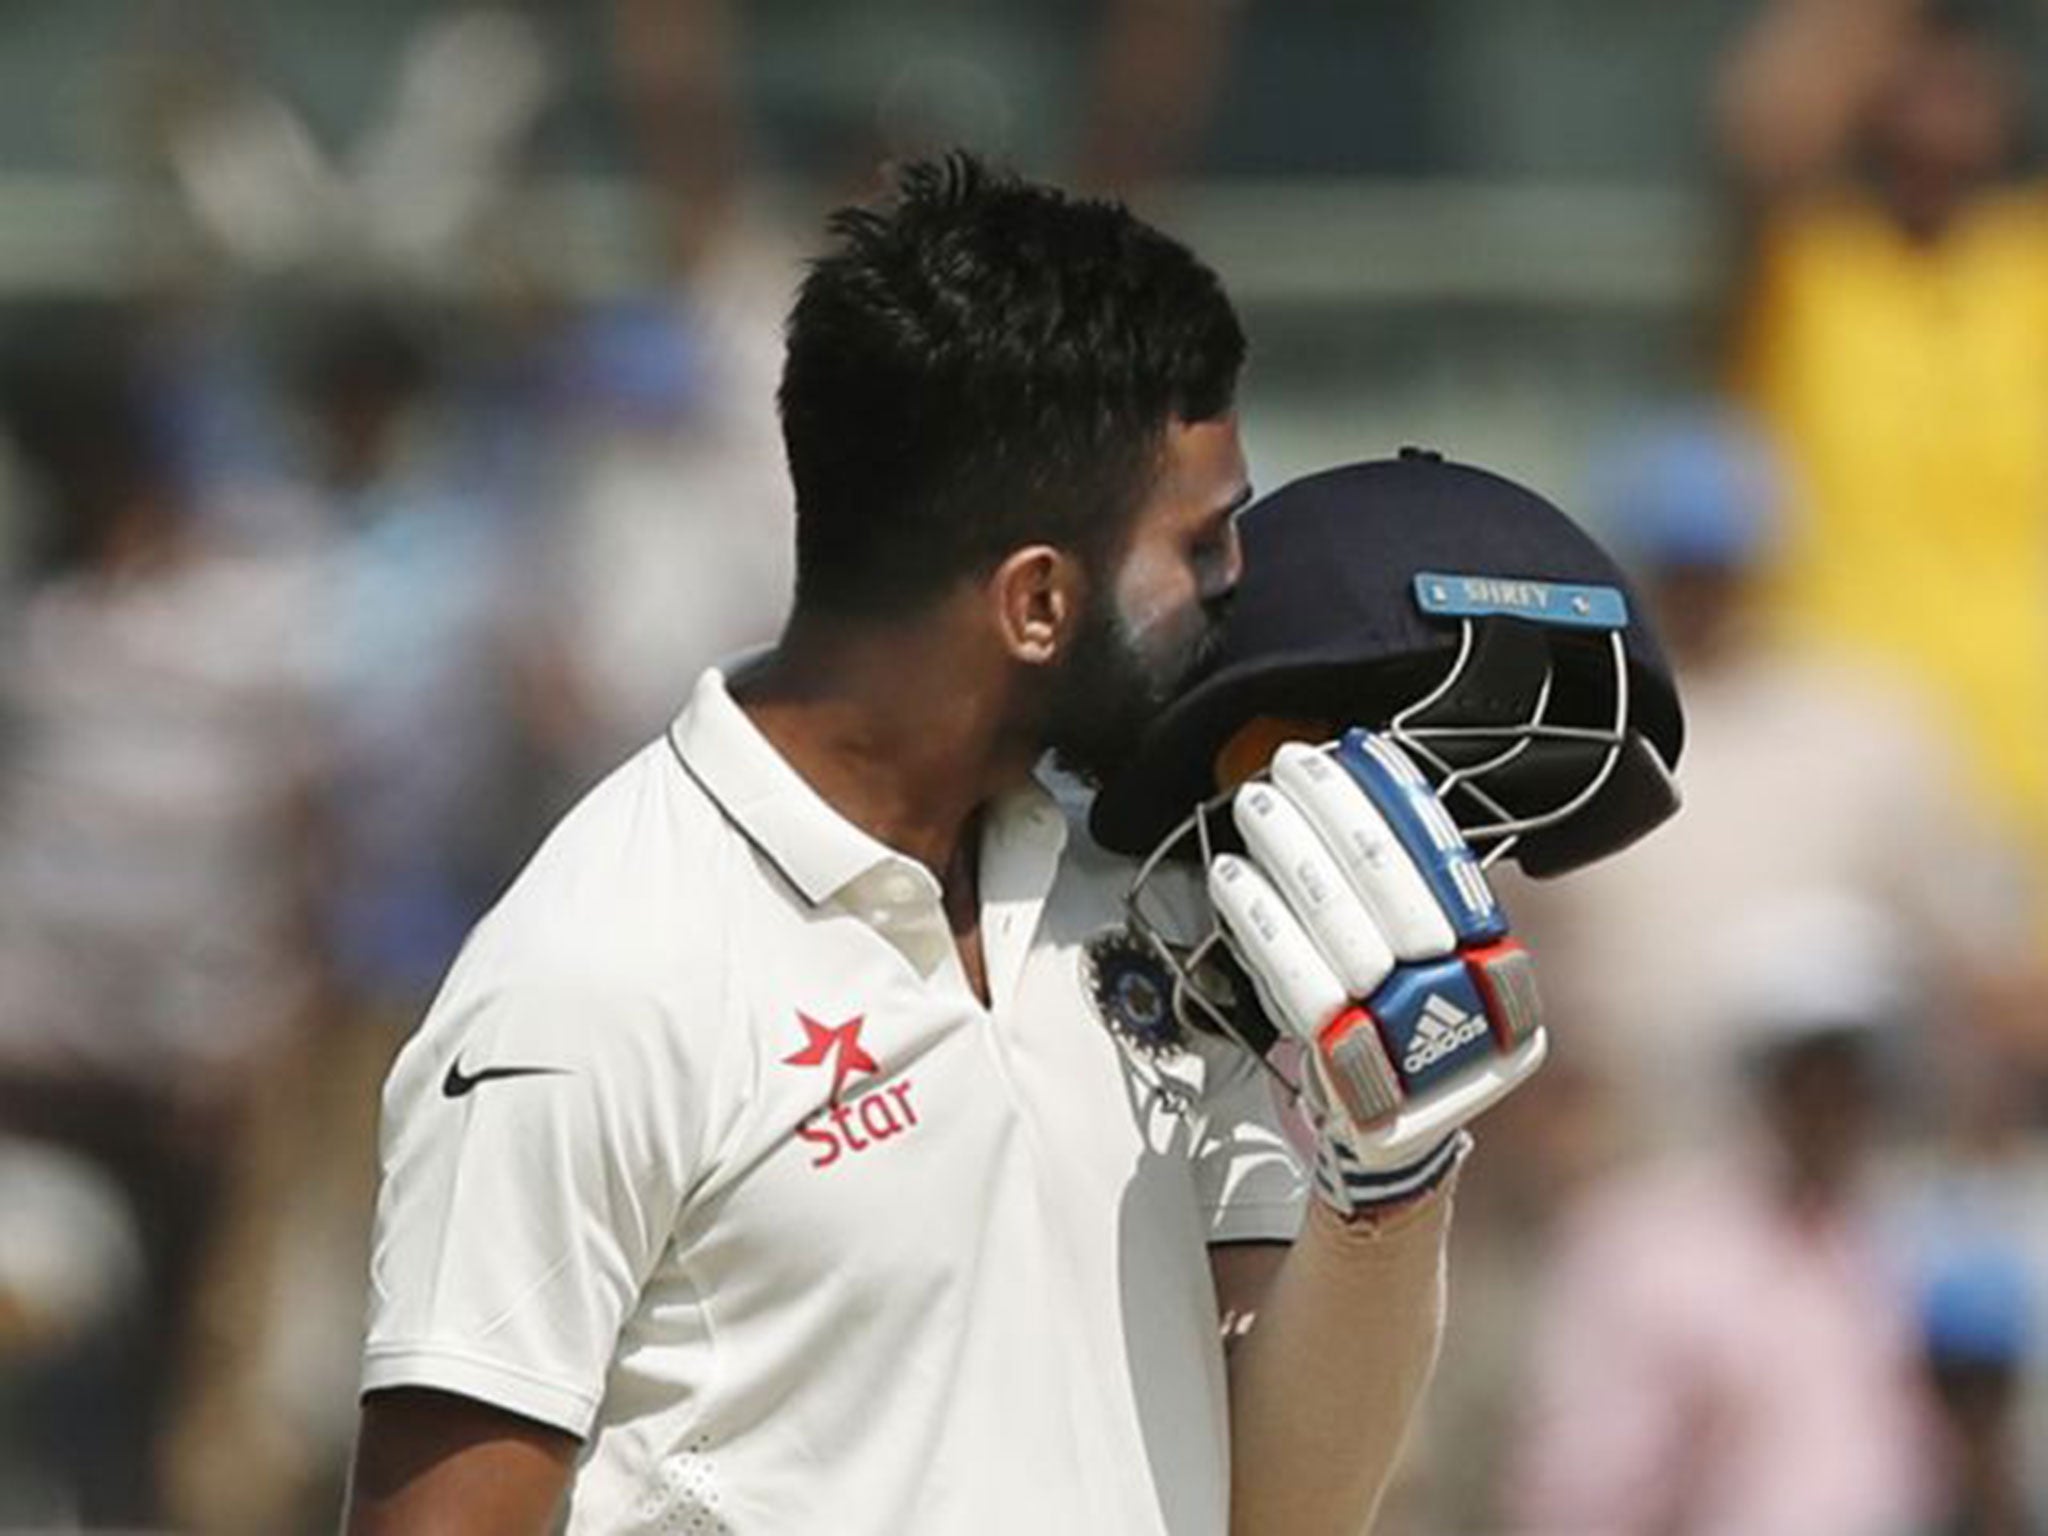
{"x": 818, "y": 850}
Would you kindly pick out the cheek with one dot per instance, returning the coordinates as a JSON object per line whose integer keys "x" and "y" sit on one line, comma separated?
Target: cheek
{"x": 1157, "y": 602}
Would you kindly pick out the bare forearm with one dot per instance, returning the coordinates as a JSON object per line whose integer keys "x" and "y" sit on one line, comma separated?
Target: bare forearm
{"x": 1325, "y": 1382}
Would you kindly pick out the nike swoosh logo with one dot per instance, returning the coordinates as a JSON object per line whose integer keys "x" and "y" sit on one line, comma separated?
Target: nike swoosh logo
{"x": 458, "y": 1082}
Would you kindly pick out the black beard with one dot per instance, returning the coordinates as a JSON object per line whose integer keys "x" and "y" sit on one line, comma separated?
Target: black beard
{"x": 1108, "y": 694}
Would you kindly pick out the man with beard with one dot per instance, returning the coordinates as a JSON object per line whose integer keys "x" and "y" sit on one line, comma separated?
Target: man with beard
{"x": 765, "y": 1163}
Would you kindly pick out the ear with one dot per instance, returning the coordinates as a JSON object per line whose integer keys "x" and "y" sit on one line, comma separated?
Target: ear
{"x": 1035, "y": 598}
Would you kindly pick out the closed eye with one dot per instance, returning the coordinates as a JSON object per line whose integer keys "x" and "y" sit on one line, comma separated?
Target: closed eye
{"x": 1216, "y": 540}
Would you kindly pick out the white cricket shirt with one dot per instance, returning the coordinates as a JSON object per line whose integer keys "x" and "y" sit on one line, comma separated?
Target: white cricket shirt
{"x": 708, "y": 1154}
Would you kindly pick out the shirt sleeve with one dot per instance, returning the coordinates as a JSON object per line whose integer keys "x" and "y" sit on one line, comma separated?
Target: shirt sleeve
{"x": 1249, "y": 1178}
{"x": 536, "y": 1149}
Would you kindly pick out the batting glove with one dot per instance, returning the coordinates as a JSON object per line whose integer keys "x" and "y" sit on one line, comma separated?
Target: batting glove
{"x": 1370, "y": 932}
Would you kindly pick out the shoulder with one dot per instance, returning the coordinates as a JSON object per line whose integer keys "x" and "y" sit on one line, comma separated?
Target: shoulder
{"x": 615, "y": 940}
{"x": 1810, "y": 242}
{"x": 2013, "y": 217}
{"x": 640, "y": 869}
{"x": 1841, "y": 213}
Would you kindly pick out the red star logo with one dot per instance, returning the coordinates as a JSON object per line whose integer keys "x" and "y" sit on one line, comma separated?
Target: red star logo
{"x": 841, "y": 1042}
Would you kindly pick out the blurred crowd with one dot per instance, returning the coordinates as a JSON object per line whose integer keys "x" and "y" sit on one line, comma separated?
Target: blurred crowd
{"x": 329, "y": 581}
{"x": 1768, "y": 1256}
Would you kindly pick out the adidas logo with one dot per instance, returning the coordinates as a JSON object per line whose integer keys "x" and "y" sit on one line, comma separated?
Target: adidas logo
{"x": 1443, "y": 1028}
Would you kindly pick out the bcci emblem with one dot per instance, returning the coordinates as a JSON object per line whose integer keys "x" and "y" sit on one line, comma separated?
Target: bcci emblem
{"x": 1132, "y": 991}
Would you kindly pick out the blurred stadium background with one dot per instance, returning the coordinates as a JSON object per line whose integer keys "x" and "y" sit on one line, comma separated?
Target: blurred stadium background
{"x": 386, "y": 436}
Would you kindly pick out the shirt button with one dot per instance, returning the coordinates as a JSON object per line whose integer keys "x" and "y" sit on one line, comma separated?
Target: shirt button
{"x": 899, "y": 888}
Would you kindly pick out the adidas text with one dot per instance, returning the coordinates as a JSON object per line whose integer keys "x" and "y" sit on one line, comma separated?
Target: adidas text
{"x": 1443, "y": 1030}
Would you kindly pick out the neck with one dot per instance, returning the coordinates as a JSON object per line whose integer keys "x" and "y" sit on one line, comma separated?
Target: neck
{"x": 905, "y": 728}
{"x": 1925, "y": 204}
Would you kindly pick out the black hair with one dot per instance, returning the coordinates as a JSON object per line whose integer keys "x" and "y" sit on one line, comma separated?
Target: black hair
{"x": 79, "y": 416}
{"x": 983, "y": 363}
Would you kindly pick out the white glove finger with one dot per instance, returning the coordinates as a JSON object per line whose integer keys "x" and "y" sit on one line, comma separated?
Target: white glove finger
{"x": 1373, "y": 859}
{"x": 1290, "y": 853}
{"x": 1294, "y": 979}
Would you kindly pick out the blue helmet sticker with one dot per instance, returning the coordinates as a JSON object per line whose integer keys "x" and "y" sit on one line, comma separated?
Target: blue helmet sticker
{"x": 1451, "y": 596}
